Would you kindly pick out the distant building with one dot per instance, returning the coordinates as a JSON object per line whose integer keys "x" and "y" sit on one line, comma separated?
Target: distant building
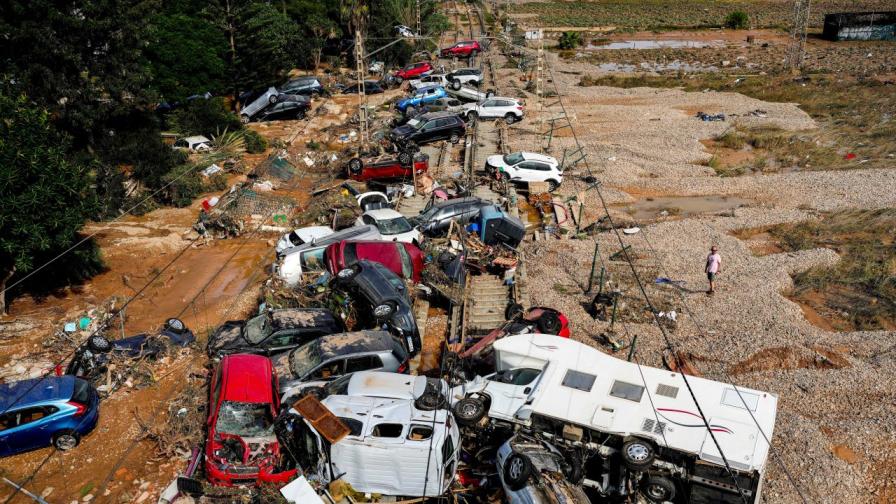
{"x": 860, "y": 26}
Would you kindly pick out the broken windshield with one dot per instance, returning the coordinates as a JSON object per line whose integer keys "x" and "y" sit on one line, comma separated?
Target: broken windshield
{"x": 415, "y": 123}
{"x": 258, "y": 329}
{"x": 394, "y": 226}
{"x": 305, "y": 358}
{"x": 245, "y": 419}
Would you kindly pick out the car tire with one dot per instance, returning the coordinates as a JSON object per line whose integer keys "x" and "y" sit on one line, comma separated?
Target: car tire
{"x": 315, "y": 95}
{"x": 175, "y": 325}
{"x": 553, "y": 185}
{"x": 638, "y": 454}
{"x": 300, "y": 115}
{"x": 346, "y": 274}
{"x": 469, "y": 411}
{"x": 244, "y": 119}
{"x": 517, "y": 469}
{"x": 431, "y": 401}
{"x": 99, "y": 344}
{"x": 472, "y": 117}
{"x": 355, "y": 166}
{"x": 405, "y": 158}
{"x": 454, "y": 138}
{"x": 455, "y": 84}
{"x": 489, "y": 93}
{"x": 575, "y": 471}
{"x": 549, "y": 323}
{"x": 509, "y": 118}
{"x": 385, "y": 310}
{"x": 658, "y": 489}
{"x": 513, "y": 311}
{"x": 273, "y": 99}
{"x": 66, "y": 440}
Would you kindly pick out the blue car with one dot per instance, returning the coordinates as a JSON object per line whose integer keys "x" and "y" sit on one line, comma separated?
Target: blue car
{"x": 423, "y": 95}
{"x": 51, "y": 411}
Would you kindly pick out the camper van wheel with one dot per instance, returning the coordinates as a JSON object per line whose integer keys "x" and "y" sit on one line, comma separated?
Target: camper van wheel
{"x": 513, "y": 311}
{"x": 99, "y": 344}
{"x": 638, "y": 454}
{"x": 659, "y": 489}
{"x": 517, "y": 469}
{"x": 469, "y": 411}
{"x": 549, "y": 323}
{"x": 574, "y": 472}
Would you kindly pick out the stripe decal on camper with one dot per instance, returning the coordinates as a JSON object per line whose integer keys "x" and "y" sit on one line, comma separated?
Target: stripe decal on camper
{"x": 712, "y": 427}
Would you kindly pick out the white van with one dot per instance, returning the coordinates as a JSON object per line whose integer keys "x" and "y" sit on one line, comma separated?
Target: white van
{"x": 582, "y": 398}
{"x": 392, "y": 441}
{"x": 309, "y": 256}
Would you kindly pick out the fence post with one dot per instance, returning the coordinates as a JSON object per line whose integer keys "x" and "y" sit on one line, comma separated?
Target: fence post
{"x": 594, "y": 265}
{"x": 613, "y": 316}
{"x": 631, "y": 349}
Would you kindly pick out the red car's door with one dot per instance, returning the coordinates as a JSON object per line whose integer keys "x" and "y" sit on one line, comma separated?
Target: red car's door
{"x": 385, "y": 253}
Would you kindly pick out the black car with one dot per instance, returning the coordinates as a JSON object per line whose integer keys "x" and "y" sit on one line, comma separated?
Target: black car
{"x": 284, "y": 110}
{"x": 92, "y": 358}
{"x": 436, "y": 219}
{"x": 308, "y": 85}
{"x": 428, "y": 128}
{"x": 379, "y": 298}
{"x": 370, "y": 87}
{"x": 273, "y": 331}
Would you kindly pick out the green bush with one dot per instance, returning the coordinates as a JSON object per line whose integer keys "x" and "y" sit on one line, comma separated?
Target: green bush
{"x": 204, "y": 117}
{"x": 570, "y": 40}
{"x": 184, "y": 188}
{"x": 737, "y": 20}
{"x": 255, "y": 143}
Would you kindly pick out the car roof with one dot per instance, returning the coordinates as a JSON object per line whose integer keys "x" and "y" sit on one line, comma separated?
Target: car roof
{"x": 248, "y": 379}
{"x": 424, "y": 89}
{"x": 383, "y": 384}
{"x": 196, "y": 139}
{"x": 335, "y": 345}
{"x": 436, "y": 115}
{"x": 297, "y": 318}
{"x": 383, "y": 213}
{"x": 467, "y": 70}
{"x": 461, "y": 201}
{"x": 502, "y": 98}
{"x": 534, "y": 156}
{"x": 384, "y": 410}
{"x": 24, "y": 393}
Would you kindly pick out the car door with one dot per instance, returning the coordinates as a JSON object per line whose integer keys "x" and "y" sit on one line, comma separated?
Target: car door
{"x": 486, "y": 108}
{"x": 24, "y": 429}
{"x": 533, "y": 171}
{"x": 509, "y": 390}
{"x": 285, "y": 340}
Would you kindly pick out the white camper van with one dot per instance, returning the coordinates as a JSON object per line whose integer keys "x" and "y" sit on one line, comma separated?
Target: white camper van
{"x": 617, "y": 411}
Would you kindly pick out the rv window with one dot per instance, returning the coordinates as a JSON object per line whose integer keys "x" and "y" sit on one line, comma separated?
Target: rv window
{"x": 353, "y": 425}
{"x": 628, "y": 391}
{"x": 447, "y": 449}
{"x": 420, "y": 432}
{"x": 387, "y": 430}
{"x": 731, "y": 398}
{"x": 578, "y": 380}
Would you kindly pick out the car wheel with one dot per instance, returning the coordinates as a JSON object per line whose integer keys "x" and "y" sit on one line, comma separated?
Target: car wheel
{"x": 175, "y": 325}
{"x": 549, "y": 323}
{"x": 469, "y": 411}
{"x": 454, "y": 138}
{"x": 99, "y": 344}
{"x": 472, "y": 117}
{"x": 659, "y": 489}
{"x": 517, "y": 469}
{"x": 244, "y": 119}
{"x": 405, "y": 158}
{"x": 273, "y": 99}
{"x": 355, "y": 165}
{"x": 384, "y": 311}
{"x": 66, "y": 440}
{"x": 638, "y": 454}
{"x": 455, "y": 84}
{"x": 553, "y": 185}
{"x": 315, "y": 95}
{"x": 430, "y": 401}
{"x": 489, "y": 93}
{"x": 300, "y": 115}
{"x": 574, "y": 471}
{"x": 346, "y": 274}
{"x": 513, "y": 311}
{"x": 509, "y": 118}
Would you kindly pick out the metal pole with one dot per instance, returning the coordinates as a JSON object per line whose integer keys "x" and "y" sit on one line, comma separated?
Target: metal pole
{"x": 631, "y": 349}
{"x": 613, "y": 316}
{"x": 600, "y": 290}
{"x": 593, "y": 265}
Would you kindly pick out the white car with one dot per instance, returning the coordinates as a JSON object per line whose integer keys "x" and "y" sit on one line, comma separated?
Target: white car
{"x": 464, "y": 76}
{"x": 309, "y": 256}
{"x": 405, "y": 31}
{"x": 429, "y": 80}
{"x": 301, "y": 236}
{"x": 521, "y": 167}
{"x": 495, "y": 107}
{"x": 391, "y": 225}
{"x": 194, "y": 144}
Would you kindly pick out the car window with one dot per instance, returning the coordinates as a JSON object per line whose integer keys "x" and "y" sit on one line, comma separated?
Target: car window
{"x": 387, "y": 430}
{"x": 305, "y": 358}
{"x": 419, "y": 432}
{"x": 328, "y": 370}
{"x": 285, "y": 338}
{"x": 313, "y": 260}
{"x": 354, "y": 426}
{"x": 512, "y": 159}
{"x": 363, "y": 363}
{"x": 407, "y": 264}
{"x": 81, "y": 393}
{"x": 488, "y": 103}
{"x": 349, "y": 253}
{"x": 394, "y": 226}
{"x": 366, "y": 219}
{"x": 257, "y": 329}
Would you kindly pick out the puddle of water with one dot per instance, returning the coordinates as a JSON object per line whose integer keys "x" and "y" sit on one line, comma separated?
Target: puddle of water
{"x": 682, "y": 206}
{"x": 658, "y": 44}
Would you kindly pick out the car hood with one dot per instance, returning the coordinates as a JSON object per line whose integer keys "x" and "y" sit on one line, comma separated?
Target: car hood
{"x": 496, "y": 160}
{"x": 228, "y": 336}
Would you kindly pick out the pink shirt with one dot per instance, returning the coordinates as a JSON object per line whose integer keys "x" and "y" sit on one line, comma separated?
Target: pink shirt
{"x": 713, "y": 262}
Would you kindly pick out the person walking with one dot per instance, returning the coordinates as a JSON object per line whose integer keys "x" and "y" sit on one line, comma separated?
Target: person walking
{"x": 713, "y": 268}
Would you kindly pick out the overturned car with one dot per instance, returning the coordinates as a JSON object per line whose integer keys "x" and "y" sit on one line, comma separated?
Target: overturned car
{"x": 635, "y": 428}
{"x": 273, "y": 331}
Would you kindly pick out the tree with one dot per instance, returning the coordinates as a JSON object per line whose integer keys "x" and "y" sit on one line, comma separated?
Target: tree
{"x": 737, "y": 20}
{"x": 321, "y": 28}
{"x": 46, "y": 195}
{"x": 186, "y": 56}
{"x": 569, "y": 40}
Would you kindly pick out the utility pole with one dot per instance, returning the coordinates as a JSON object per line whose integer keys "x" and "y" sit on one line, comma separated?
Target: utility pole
{"x": 362, "y": 95}
{"x": 539, "y": 82}
{"x": 796, "y": 51}
{"x": 418, "y": 19}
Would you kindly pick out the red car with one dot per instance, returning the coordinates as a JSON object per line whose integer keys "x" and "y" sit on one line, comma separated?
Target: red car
{"x": 537, "y": 320}
{"x": 242, "y": 448}
{"x": 464, "y": 49}
{"x": 414, "y": 70}
{"x": 387, "y": 167}
{"x": 403, "y": 259}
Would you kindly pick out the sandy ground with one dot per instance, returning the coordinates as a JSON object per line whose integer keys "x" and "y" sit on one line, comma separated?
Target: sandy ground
{"x": 833, "y": 431}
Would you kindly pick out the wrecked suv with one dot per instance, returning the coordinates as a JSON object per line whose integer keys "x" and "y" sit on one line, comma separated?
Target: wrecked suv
{"x": 241, "y": 448}
{"x": 273, "y": 331}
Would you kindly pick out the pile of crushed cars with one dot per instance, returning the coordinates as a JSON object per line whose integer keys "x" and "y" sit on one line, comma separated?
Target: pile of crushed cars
{"x": 323, "y": 395}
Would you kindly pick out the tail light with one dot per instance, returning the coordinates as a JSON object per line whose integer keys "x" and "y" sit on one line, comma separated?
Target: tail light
{"x": 80, "y": 408}
{"x": 403, "y": 368}
{"x": 519, "y": 107}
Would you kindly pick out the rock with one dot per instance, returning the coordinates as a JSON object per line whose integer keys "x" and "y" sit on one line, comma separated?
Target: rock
{"x": 47, "y": 491}
{"x": 143, "y": 497}
{"x": 87, "y": 498}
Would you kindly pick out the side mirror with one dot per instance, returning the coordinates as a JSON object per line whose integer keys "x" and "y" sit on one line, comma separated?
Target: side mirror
{"x": 527, "y": 390}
